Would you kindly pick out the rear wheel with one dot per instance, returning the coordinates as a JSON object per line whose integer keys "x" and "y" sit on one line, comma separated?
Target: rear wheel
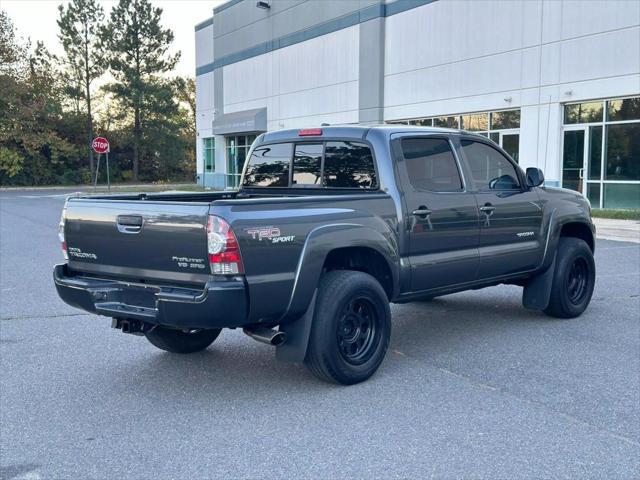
{"x": 181, "y": 341}
{"x": 351, "y": 328}
{"x": 573, "y": 279}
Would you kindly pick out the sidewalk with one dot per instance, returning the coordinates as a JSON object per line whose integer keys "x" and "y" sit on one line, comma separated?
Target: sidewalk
{"x": 620, "y": 230}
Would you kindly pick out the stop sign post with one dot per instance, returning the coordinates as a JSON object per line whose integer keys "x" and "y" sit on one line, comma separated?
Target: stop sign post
{"x": 100, "y": 145}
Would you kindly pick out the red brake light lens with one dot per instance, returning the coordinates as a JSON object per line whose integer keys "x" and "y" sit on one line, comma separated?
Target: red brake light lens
{"x": 222, "y": 245}
{"x": 308, "y": 132}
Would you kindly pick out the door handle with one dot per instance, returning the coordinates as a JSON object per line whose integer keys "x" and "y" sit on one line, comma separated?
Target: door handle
{"x": 487, "y": 209}
{"x": 422, "y": 211}
{"x": 129, "y": 223}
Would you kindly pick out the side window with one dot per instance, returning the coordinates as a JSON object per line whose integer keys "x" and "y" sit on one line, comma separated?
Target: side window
{"x": 307, "y": 164}
{"x": 269, "y": 166}
{"x": 349, "y": 165}
{"x": 431, "y": 165}
{"x": 489, "y": 168}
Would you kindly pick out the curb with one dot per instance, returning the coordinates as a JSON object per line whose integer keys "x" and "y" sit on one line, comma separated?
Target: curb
{"x": 100, "y": 187}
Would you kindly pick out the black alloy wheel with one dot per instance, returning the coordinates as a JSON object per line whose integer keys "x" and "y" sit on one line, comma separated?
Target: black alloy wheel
{"x": 358, "y": 331}
{"x": 351, "y": 327}
{"x": 574, "y": 278}
{"x": 577, "y": 281}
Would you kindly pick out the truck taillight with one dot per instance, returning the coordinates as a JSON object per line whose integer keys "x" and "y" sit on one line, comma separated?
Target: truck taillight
{"x": 222, "y": 244}
{"x": 63, "y": 242}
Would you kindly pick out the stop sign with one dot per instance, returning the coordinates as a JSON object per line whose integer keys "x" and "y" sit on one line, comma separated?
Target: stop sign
{"x": 100, "y": 145}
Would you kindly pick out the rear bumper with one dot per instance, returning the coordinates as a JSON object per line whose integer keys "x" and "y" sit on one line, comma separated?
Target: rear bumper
{"x": 220, "y": 304}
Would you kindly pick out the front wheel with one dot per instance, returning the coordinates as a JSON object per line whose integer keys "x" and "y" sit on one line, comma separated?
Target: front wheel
{"x": 573, "y": 279}
{"x": 181, "y": 341}
{"x": 351, "y": 328}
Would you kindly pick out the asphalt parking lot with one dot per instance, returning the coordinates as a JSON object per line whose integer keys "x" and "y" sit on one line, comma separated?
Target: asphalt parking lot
{"x": 473, "y": 386}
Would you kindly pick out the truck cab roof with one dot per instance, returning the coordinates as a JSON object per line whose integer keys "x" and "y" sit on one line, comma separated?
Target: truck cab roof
{"x": 355, "y": 132}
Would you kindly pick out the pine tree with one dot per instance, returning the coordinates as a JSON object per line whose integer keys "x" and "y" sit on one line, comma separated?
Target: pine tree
{"x": 137, "y": 50}
{"x": 80, "y": 23}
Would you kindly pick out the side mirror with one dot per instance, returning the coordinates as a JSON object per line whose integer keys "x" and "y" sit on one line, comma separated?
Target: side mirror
{"x": 535, "y": 177}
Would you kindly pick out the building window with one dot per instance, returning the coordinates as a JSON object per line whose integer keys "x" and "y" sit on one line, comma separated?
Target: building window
{"x": 601, "y": 151}
{"x": 503, "y": 126}
{"x": 583, "y": 113}
{"x": 447, "y": 122}
{"x": 209, "y": 147}
{"x": 475, "y": 122}
{"x": 237, "y": 147}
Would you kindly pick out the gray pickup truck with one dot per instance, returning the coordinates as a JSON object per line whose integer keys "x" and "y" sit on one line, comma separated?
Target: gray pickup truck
{"x": 328, "y": 227}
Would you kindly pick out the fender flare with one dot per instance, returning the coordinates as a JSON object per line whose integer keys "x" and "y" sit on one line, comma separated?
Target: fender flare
{"x": 537, "y": 292}
{"x": 296, "y": 321}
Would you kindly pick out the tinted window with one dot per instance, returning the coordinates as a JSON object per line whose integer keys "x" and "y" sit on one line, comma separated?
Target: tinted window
{"x": 348, "y": 165}
{"x": 622, "y": 152}
{"x": 505, "y": 119}
{"x": 431, "y": 164}
{"x": 490, "y": 169}
{"x": 307, "y": 163}
{"x": 269, "y": 166}
{"x": 583, "y": 112}
{"x": 627, "y": 109}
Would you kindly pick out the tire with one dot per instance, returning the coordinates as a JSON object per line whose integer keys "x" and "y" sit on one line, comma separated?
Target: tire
{"x": 351, "y": 328}
{"x": 180, "y": 341}
{"x": 573, "y": 279}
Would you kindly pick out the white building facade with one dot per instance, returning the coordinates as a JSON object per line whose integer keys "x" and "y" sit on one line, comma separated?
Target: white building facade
{"x": 555, "y": 82}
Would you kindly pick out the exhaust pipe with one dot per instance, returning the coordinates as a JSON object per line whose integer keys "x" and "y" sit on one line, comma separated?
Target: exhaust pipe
{"x": 266, "y": 335}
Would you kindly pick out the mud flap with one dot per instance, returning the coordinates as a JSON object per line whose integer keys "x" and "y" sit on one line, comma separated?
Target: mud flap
{"x": 294, "y": 349}
{"x": 537, "y": 292}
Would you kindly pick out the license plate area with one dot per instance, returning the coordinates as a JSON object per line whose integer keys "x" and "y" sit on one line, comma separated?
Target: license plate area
{"x": 139, "y": 297}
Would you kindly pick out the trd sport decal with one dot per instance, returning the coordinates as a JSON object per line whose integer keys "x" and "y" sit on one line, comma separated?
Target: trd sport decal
{"x": 269, "y": 234}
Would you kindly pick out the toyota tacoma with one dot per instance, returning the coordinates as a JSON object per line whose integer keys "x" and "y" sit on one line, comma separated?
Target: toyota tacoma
{"x": 329, "y": 226}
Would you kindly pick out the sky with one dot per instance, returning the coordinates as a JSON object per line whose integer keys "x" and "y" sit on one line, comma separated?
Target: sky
{"x": 36, "y": 19}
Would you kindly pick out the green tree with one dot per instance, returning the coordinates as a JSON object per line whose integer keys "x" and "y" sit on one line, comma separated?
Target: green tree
{"x": 33, "y": 146}
{"x": 137, "y": 49}
{"x": 80, "y": 23}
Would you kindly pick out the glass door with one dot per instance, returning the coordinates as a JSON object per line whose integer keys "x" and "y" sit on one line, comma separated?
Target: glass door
{"x": 232, "y": 162}
{"x": 582, "y": 161}
{"x": 237, "y": 148}
{"x": 510, "y": 143}
{"x": 573, "y": 159}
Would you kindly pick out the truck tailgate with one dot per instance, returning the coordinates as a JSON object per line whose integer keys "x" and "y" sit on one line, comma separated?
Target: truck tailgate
{"x": 138, "y": 239}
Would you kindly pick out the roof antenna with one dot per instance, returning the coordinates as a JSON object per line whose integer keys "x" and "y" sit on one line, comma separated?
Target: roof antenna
{"x": 325, "y": 125}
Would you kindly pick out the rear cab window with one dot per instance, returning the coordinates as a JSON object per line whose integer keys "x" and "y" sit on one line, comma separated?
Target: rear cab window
{"x": 431, "y": 165}
{"x": 330, "y": 164}
{"x": 307, "y": 164}
{"x": 269, "y": 166}
{"x": 349, "y": 165}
